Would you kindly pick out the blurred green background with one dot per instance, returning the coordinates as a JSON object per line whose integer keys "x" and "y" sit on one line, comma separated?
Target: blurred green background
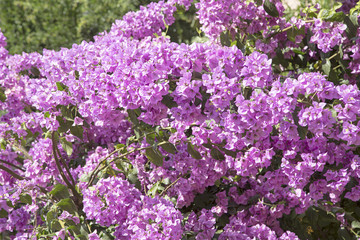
{"x": 32, "y": 25}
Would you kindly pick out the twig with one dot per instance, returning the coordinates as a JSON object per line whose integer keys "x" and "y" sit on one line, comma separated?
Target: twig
{"x": 22, "y": 149}
{"x": 99, "y": 164}
{"x": 286, "y": 29}
{"x": 72, "y": 187}
{"x": 15, "y": 175}
{"x": 97, "y": 170}
{"x": 171, "y": 184}
{"x": 66, "y": 167}
{"x": 11, "y": 164}
{"x": 334, "y": 55}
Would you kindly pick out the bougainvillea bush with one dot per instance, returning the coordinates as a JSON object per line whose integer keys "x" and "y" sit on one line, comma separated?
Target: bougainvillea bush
{"x": 254, "y": 134}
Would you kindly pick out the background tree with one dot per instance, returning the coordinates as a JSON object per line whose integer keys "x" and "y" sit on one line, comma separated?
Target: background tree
{"x": 32, "y": 25}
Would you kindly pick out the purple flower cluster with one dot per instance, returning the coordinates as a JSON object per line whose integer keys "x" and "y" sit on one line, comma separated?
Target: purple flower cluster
{"x": 257, "y": 71}
{"x": 3, "y": 55}
{"x": 234, "y": 16}
{"x": 263, "y": 144}
{"x": 110, "y": 201}
{"x": 114, "y": 201}
{"x": 202, "y": 225}
{"x": 239, "y": 229}
{"x": 327, "y": 34}
{"x": 354, "y": 50}
{"x": 148, "y": 21}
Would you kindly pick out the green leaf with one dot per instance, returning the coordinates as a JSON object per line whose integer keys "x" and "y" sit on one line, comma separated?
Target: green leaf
{"x": 137, "y": 133}
{"x": 150, "y": 138}
{"x": 67, "y": 205}
{"x": 63, "y": 125}
{"x": 35, "y": 71}
{"x": 154, "y": 156}
{"x": 77, "y": 74}
{"x": 3, "y": 213}
{"x": 70, "y": 222}
{"x": 247, "y": 92}
{"x": 67, "y": 146}
{"x": 225, "y": 39}
{"x": 357, "y": 211}
{"x": 341, "y": 52}
{"x": 293, "y": 32}
{"x": 229, "y": 152}
{"x": 2, "y": 95}
{"x": 194, "y": 153}
{"x": 271, "y": 9}
{"x": 60, "y": 86}
{"x": 333, "y": 77}
{"x": 84, "y": 230}
{"x": 81, "y": 237}
{"x": 9, "y": 204}
{"x": 73, "y": 228}
{"x": 157, "y": 130}
{"x": 110, "y": 171}
{"x": 133, "y": 178}
{"x": 298, "y": 51}
{"x": 302, "y": 131}
{"x": 208, "y": 145}
{"x": 46, "y": 114}
{"x": 77, "y": 131}
{"x": 25, "y": 198}
{"x": 169, "y": 147}
{"x": 336, "y": 6}
{"x": 156, "y": 188}
{"x": 331, "y": 15}
{"x": 60, "y": 191}
{"x": 326, "y": 67}
{"x": 51, "y": 215}
{"x": 323, "y": 13}
{"x": 223, "y": 220}
{"x": 2, "y": 144}
{"x": 119, "y": 146}
{"x": 355, "y": 224}
{"x": 55, "y": 225}
{"x": 68, "y": 112}
{"x": 217, "y": 183}
{"x": 279, "y": 59}
{"x": 168, "y": 101}
{"x": 351, "y": 24}
{"x": 216, "y": 154}
{"x": 343, "y": 234}
{"x": 335, "y": 17}
{"x": 133, "y": 117}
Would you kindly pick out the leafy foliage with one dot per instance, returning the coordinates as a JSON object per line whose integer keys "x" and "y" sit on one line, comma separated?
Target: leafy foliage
{"x": 33, "y": 25}
{"x": 254, "y": 134}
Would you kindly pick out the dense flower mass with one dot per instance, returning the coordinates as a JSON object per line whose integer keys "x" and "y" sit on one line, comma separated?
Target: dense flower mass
{"x": 134, "y": 136}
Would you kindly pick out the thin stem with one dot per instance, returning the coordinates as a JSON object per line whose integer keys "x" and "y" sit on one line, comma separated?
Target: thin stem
{"x": 99, "y": 164}
{"x": 13, "y": 165}
{"x": 35, "y": 223}
{"x": 72, "y": 187}
{"x": 334, "y": 55}
{"x": 286, "y": 29}
{"x": 337, "y": 67}
{"x": 97, "y": 170}
{"x": 172, "y": 184}
{"x": 15, "y": 175}
{"x": 66, "y": 167}
{"x": 22, "y": 149}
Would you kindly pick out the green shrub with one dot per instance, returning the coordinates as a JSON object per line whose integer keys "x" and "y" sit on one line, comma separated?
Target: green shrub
{"x": 32, "y": 25}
